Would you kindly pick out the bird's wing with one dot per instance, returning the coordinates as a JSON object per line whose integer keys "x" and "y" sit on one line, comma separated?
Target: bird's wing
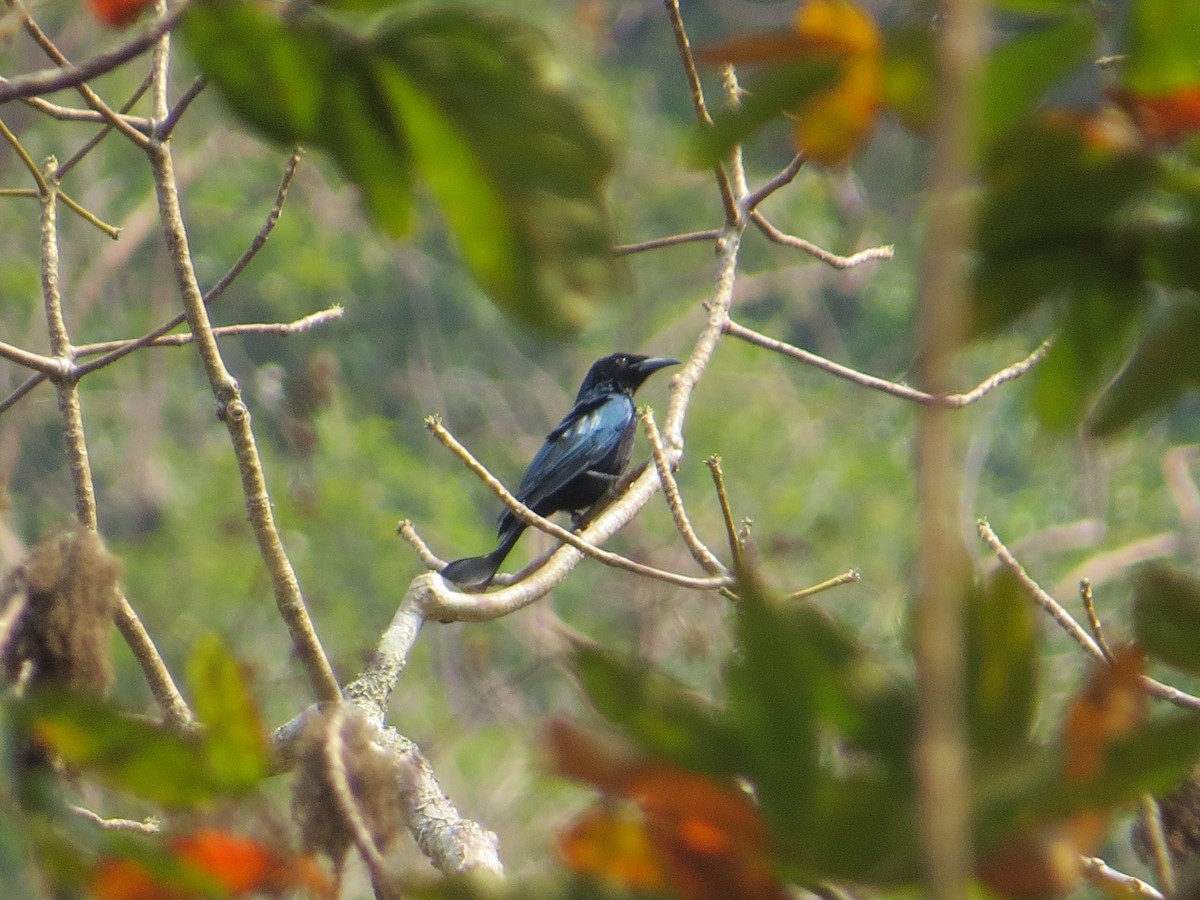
{"x": 582, "y": 440}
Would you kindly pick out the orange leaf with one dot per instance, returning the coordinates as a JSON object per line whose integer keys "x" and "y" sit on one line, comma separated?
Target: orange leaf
{"x": 239, "y": 865}
{"x": 704, "y": 838}
{"x": 831, "y": 126}
{"x": 612, "y": 847}
{"x": 1163, "y": 118}
{"x": 118, "y": 13}
{"x": 1043, "y": 864}
{"x": 1110, "y": 706}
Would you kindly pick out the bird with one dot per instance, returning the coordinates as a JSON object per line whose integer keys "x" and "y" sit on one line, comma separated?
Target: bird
{"x": 580, "y": 460}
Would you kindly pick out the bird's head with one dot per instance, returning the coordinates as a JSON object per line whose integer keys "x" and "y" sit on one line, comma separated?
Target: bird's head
{"x": 623, "y": 372}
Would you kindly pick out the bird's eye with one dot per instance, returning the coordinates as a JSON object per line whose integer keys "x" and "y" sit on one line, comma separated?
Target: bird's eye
{"x": 622, "y": 360}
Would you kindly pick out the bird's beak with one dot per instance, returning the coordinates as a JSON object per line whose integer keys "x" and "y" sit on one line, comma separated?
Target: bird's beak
{"x": 648, "y": 367}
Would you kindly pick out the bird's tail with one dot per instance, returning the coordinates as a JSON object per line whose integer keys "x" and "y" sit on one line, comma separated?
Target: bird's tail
{"x": 478, "y": 571}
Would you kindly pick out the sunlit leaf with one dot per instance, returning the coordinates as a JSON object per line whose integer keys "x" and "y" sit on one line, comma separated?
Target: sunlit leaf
{"x": 830, "y": 118}
{"x": 1160, "y": 74}
{"x": 1166, "y": 614}
{"x": 1110, "y": 707}
{"x": 661, "y": 714}
{"x": 235, "y": 742}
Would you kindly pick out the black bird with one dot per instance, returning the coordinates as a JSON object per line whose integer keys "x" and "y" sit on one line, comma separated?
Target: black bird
{"x": 580, "y": 460}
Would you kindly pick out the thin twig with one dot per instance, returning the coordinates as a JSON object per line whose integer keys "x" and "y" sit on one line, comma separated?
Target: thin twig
{"x": 947, "y": 401}
{"x": 529, "y": 517}
{"x": 776, "y": 236}
{"x": 145, "y": 826}
{"x": 278, "y": 329}
{"x": 90, "y": 217}
{"x": 167, "y": 126}
{"x": 137, "y": 122}
{"x": 1156, "y": 837}
{"x": 1089, "y": 606}
{"x": 698, "y": 104}
{"x": 52, "y": 80}
{"x": 700, "y": 552}
{"x": 718, "y": 477}
{"x": 90, "y": 97}
{"x": 751, "y": 201}
{"x": 260, "y": 239}
{"x": 710, "y": 234}
{"x": 25, "y": 158}
{"x": 1113, "y": 883}
{"x": 1069, "y": 625}
{"x": 428, "y": 558}
{"x": 850, "y": 576}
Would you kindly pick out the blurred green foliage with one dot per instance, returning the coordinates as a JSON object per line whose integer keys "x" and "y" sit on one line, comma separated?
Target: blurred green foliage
{"x": 822, "y": 467}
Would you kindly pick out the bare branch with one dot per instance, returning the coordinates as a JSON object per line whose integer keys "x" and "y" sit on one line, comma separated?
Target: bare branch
{"x": 136, "y": 121}
{"x": 718, "y": 477}
{"x": 656, "y": 243}
{"x": 49, "y": 366}
{"x": 751, "y": 201}
{"x": 90, "y": 97}
{"x": 167, "y": 126}
{"x": 1113, "y": 883}
{"x": 1156, "y": 836}
{"x": 698, "y": 104}
{"x": 776, "y": 236}
{"x": 453, "y": 844}
{"x": 25, "y": 387}
{"x": 277, "y": 329}
{"x": 49, "y": 81}
{"x": 260, "y": 239}
{"x": 529, "y": 517}
{"x": 146, "y": 826}
{"x": 848, "y": 577}
{"x": 1089, "y": 607}
{"x": 233, "y": 412}
{"x": 1069, "y": 625}
{"x": 948, "y": 401}
{"x": 700, "y": 552}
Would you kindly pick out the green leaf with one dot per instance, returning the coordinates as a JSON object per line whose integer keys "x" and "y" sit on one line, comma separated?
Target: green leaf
{"x": 1162, "y": 368}
{"x": 910, "y": 75}
{"x": 272, "y": 75}
{"x": 776, "y": 90}
{"x": 131, "y": 755}
{"x": 459, "y": 97}
{"x": 517, "y": 167}
{"x": 1021, "y": 71}
{"x": 800, "y": 678}
{"x": 660, "y": 714}
{"x": 1163, "y": 47}
{"x": 1002, "y": 667}
{"x": 830, "y": 845}
{"x": 235, "y": 742}
{"x": 1166, "y": 615}
{"x": 1040, "y": 7}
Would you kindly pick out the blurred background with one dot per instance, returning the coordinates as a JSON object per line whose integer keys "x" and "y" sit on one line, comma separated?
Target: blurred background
{"x": 823, "y": 468}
